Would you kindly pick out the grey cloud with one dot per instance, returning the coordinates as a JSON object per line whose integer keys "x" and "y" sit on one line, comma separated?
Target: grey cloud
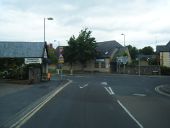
{"x": 165, "y": 30}
{"x": 74, "y": 13}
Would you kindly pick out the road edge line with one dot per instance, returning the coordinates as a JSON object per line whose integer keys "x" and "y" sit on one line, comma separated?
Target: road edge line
{"x": 128, "y": 112}
{"x": 28, "y": 115}
{"x": 157, "y": 89}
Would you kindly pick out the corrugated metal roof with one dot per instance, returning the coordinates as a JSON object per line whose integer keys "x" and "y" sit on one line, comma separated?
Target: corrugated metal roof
{"x": 21, "y": 49}
{"x": 106, "y": 48}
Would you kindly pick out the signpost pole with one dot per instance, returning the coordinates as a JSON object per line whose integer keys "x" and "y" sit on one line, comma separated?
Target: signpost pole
{"x": 124, "y": 68}
{"x": 60, "y": 61}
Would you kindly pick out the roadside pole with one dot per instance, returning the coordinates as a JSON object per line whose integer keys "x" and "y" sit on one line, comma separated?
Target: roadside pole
{"x": 60, "y": 61}
{"x": 139, "y": 63}
{"x": 124, "y": 68}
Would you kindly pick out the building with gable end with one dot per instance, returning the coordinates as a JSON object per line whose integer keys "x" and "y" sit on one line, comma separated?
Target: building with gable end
{"x": 16, "y": 56}
{"x": 164, "y": 54}
{"x": 106, "y": 60}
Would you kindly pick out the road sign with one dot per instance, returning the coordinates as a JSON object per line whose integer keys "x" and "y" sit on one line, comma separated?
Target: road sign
{"x": 61, "y": 59}
{"x": 33, "y": 60}
{"x": 60, "y": 50}
{"x": 122, "y": 59}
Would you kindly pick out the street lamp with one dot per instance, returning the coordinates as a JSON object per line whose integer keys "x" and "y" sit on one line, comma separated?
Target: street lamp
{"x": 124, "y": 38}
{"x": 139, "y": 70}
{"x": 124, "y": 46}
{"x": 49, "y": 18}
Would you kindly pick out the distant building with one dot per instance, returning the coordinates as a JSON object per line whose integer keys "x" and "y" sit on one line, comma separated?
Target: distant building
{"x": 164, "y": 54}
{"x": 50, "y": 46}
{"x": 109, "y": 52}
{"x": 145, "y": 59}
{"x": 24, "y": 53}
{"x": 106, "y": 61}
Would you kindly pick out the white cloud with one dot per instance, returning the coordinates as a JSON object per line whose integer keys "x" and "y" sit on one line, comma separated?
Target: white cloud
{"x": 141, "y": 20}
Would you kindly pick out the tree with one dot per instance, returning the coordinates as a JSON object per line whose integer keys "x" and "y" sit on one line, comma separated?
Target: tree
{"x": 147, "y": 50}
{"x": 70, "y": 52}
{"x": 86, "y": 47}
{"x": 133, "y": 52}
{"x": 80, "y": 49}
{"x": 52, "y": 55}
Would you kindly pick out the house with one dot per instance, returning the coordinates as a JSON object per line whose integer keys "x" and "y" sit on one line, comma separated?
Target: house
{"x": 17, "y": 55}
{"x": 146, "y": 60}
{"x": 108, "y": 51}
{"x": 164, "y": 54}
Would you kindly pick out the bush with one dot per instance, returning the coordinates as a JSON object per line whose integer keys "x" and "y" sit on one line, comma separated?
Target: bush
{"x": 165, "y": 71}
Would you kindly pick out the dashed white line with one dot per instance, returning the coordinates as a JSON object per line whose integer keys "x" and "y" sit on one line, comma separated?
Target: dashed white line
{"x": 136, "y": 94}
{"x": 84, "y": 86}
{"x": 112, "y": 92}
{"x": 126, "y": 110}
{"x": 109, "y": 90}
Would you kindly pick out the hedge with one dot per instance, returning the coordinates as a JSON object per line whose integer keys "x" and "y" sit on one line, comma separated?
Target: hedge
{"x": 165, "y": 71}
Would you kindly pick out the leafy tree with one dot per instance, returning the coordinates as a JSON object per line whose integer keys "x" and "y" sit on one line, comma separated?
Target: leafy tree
{"x": 70, "y": 52}
{"x": 52, "y": 55}
{"x": 86, "y": 47}
{"x": 80, "y": 49}
{"x": 147, "y": 50}
{"x": 133, "y": 52}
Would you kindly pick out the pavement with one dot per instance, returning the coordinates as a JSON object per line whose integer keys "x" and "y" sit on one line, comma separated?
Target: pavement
{"x": 18, "y": 99}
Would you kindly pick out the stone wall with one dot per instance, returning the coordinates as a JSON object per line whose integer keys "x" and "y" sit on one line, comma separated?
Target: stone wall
{"x": 144, "y": 70}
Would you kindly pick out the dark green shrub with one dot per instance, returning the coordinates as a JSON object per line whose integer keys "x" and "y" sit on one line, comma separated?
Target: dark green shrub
{"x": 165, "y": 71}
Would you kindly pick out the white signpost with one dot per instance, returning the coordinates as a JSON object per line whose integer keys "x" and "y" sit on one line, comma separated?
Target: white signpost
{"x": 122, "y": 59}
{"x": 61, "y": 58}
{"x": 33, "y": 60}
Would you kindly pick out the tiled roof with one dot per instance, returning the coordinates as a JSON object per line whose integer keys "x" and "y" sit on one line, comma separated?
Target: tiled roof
{"x": 163, "y": 48}
{"x": 21, "y": 49}
{"x": 106, "y": 48}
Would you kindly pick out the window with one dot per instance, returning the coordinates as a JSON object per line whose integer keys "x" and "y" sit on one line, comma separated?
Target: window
{"x": 103, "y": 65}
{"x": 96, "y": 64}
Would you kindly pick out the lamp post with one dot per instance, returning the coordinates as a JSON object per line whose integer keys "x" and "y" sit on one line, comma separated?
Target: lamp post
{"x": 124, "y": 38}
{"x": 45, "y": 67}
{"x": 124, "y": 46}
{"x": 139, "y": 62}
{"x": 49, "y": 18}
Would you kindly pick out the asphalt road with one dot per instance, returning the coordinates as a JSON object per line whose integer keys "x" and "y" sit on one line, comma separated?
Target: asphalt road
{"x": 106, "y": 101}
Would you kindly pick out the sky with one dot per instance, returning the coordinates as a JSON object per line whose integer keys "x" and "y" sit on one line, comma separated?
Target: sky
{"x": 143, "y": 22}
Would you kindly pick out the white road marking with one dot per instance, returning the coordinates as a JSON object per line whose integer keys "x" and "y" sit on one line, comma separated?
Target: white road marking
{"x": 84, "y": 86}
{"x": 26, "y": 117}
{"x": 157, "y": 89}
{"x": 136, "y": 94}
{"x": 126, "y": 110}
{"x": 79, "y": 76}
{"x": 112, "y": 92}
{"x": 109, "y": 90}
{"x": 104, "y": 83}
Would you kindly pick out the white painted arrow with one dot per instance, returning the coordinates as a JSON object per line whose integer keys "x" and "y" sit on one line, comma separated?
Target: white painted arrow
{"x": 104, "y": 83}
{"x": 84, "y": 86}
